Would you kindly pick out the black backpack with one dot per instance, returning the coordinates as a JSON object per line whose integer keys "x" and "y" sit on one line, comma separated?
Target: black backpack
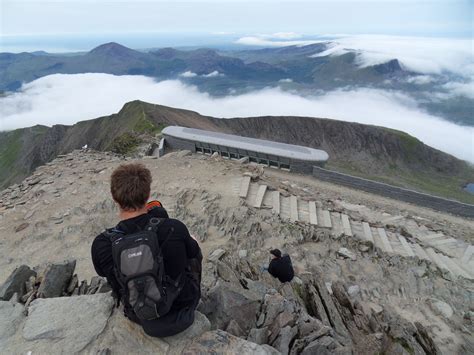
{"x": 139, "y": 269}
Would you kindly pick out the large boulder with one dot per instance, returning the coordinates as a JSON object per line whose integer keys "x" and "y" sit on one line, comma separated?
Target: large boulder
{"x": 121, "y": 336}
{"x": 66, "y": 324}
{"x": 325, "y": 345}
{"x": 15, "y": 283}
{"x": 221, "y": 342}
{"x": 226, "y": 301}
{"x": 56, "y": 279}
{"x": 284, "y": 339}
{"x": 11, "y": 315}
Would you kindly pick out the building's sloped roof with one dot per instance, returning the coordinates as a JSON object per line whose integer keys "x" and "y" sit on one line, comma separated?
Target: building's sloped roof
{"x": 255, "y": 145}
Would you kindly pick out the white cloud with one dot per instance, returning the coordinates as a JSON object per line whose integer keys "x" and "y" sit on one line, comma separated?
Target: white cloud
{"x": 420, "y": 79}
{"x": 284, "y": 35}
{"x": 419, "y": 54}
{"x": 287, "y": 80}
{"x": 460, "y": 89}
{"x": 67, "y": 99}
{"x": 266, "y": 41}
{"x": 222, "y": 33}
{"x": 188, "y": 74}
{"x": 213, "y": 74}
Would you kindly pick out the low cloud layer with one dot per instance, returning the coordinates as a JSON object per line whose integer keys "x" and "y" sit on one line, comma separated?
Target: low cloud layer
{"x": 265, "y": 41}
{"x": 67, "y": 99}
{"x": 420, "y": 54}
{"x": 190, "y": 74}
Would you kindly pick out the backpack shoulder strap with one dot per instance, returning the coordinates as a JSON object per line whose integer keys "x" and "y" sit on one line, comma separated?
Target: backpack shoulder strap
{"x": 113, "y": 233}
{"x": 154, "y": 225}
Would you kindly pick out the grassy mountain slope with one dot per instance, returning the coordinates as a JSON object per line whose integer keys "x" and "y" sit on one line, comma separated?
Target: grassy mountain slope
{"x": 369, "y": 151}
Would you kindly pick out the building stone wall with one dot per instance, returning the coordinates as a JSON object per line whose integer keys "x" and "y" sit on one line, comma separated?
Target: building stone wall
{"x": 398, "y": 193}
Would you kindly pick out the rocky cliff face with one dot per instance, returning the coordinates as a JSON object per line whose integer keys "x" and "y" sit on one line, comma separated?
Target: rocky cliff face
{"x": 369, "y": 151}
{"x": 350, "y": 296}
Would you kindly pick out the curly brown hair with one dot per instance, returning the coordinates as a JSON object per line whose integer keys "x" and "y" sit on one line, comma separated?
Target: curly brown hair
{"x": 130, "y": 186}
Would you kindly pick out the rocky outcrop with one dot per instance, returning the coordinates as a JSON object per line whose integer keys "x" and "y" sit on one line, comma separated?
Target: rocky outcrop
{"x": 226, "y": 302}
{"x": 15, "y": 284}
{"x": 248, "y": 316}
{"x": 52, "y": 280}
{"x": 220, "y": 342}
{"x": 56, "y": 279}
{"x": 356, "y": 300}
{"x": 72, "y": 321}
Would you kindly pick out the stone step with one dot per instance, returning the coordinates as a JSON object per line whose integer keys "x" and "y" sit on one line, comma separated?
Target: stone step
{"x": 437, "y": 242}
{"x": 336, "y": 223}
{"x": 244, "y": 187}
{"x": 397, "y": 247}
{"x": 303, "y": 211}
{"x": 326, "y": 219}
{"x": 392, "y": 219}
{"x": 432, "y": 237}
{"x": 468, "y": 267}
{"x": 357, "y": 230}
{"x": 346, "y": 225}
{"x": 276, "y": 202}
{"x": 454, "y": 250}
{"x": 260, "y": 194}
{"x": 313, "y": 217}
{"x": 293, "y": 208}
{"x": 268, "y": 199}
{"x": 437, "y": 259}
{"x": 458, "y": 271}
{"x": 467, "y": 254}
{"x": 420, "y": 252}
{"x": 284, "y": 207}
{"x": 252, "y": 194}
{"x": 367, "y": 232}
{"x": 385, "y": 243}
{"x": 406, "y": 245}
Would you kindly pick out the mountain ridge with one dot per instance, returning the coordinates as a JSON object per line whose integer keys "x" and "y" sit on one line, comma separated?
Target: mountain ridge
{"x": 368, "y": 151}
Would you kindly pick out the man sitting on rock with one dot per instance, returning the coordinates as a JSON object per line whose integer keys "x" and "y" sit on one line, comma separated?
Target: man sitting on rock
{"x": 151, "y": 261}
{"x": 280, "y": 266}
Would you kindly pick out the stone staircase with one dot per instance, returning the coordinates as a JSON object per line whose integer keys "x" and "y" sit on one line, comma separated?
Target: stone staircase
{"x": 445, "y": 252}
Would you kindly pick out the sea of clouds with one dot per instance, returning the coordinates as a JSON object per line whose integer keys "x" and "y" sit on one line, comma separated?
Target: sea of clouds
{"x": 66, "y": 99}
{"x": 430, "y": 56}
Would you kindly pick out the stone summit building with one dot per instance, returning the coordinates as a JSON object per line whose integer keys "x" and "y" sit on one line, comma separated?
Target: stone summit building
{"x": 277, "y": 155}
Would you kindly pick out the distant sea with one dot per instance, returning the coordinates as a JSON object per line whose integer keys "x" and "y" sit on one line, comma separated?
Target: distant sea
{"x": 79, "y": 43}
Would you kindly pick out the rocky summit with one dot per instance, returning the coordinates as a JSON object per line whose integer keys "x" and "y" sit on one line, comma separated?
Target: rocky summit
{"x": 373, "y": 275}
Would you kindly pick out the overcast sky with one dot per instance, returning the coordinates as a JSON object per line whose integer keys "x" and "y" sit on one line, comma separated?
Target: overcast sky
{"x": 403, "y": 17}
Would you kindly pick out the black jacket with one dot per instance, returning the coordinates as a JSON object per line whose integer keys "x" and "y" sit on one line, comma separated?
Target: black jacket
{"x": 177, "y": 251}
{"x": 282, "y": 268}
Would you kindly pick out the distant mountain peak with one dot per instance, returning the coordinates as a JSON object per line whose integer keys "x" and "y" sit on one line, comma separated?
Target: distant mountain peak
{"x": 113, "y": 48}
{"x": 390, "y": 67}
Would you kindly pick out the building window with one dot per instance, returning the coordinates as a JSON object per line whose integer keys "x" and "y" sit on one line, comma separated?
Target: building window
{"x": 225, "y": 154}
{"x": 273, "y": 164}
{"x": 234, "y": 156}
{"x": 285, "y": 167}
{"x": 207, "y": 151}
{"x": 199, "y": 150}
{"x": 263, "y": 161}
{"x": 253, "y": 159}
